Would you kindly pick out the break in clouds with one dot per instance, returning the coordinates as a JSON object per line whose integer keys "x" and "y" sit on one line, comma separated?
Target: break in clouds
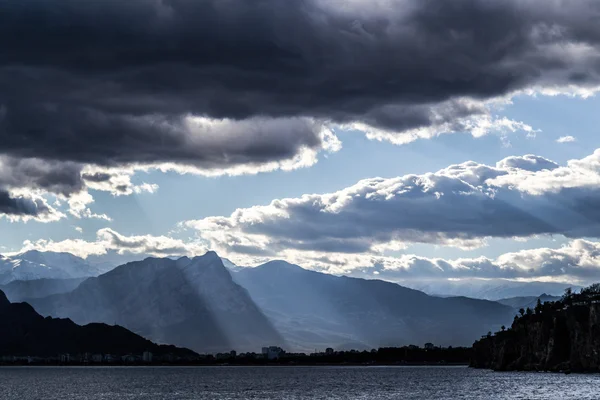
{"x": 96, "y": 90}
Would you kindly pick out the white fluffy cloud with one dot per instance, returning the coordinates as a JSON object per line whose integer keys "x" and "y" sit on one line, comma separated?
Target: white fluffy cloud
{"x": 578, "y": 179}
{"x": 566, "y": 139}
{"x": 108, "y": 240}
{"x": 577, "y": 261}
{"x": 459, "y": 206}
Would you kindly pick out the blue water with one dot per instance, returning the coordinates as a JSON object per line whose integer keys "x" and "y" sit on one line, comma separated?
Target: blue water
{"x": 290, "y": 383}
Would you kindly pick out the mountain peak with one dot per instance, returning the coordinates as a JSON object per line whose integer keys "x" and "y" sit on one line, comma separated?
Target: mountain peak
{"x": 38, "y": 253}
{"x": 211, "y": 254}
{"x": 281, "y": 264}
{"x": 209, "y": 258}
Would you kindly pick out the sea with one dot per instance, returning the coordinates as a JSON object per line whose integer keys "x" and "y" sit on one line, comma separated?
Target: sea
{"x": 289, "y": 383}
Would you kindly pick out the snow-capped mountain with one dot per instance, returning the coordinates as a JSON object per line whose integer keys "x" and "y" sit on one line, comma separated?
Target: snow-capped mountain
{"x": 34, "y": 264}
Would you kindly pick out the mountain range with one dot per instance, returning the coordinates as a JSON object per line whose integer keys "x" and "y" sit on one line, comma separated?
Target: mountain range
{"x": 23, "y": 332}
{"x": 489, "y": 289}
{"x": 201, "y": 304}
{"x": 314, "y": 309}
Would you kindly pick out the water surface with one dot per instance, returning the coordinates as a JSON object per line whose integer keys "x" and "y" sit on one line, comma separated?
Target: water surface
{"x": 289, "y": 383}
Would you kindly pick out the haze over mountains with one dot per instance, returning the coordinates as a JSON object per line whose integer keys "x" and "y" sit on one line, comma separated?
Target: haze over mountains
{"x": 490, "y": 289}
{"x": 18, "y": 291}
{"x": 210, "y": 305}
{"x": 189, "y": 302}
{"x": 311, "y": 308}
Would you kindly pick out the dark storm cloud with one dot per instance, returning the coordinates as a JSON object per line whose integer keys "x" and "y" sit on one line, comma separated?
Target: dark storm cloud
{"x": 97, "y": 177}
{"x": 110, "y": 82}
{"x": 56, "y": 177}
{"x": 21, "y": 206}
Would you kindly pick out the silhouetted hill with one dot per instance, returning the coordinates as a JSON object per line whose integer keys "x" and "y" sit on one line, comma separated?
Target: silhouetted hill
{"x": 187, "y": 302}
{"x": 23, "y": 332}
{"x": 555, "y": 336}
{"x": 24, "y": 290}
{"x": 313, "y": 309}
{"x": 526, "y": 301}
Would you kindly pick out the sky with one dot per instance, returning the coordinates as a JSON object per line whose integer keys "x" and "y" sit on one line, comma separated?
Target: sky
{"x": 395, "y": 138}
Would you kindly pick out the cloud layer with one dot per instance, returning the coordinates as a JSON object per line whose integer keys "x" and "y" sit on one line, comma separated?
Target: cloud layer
{"x": 110, "y": 241}
{"x": 233, "y": 87}
{"x": 577, "y": 261}
{"x": 356, "y": 230}
{"x": 460, "y": 206}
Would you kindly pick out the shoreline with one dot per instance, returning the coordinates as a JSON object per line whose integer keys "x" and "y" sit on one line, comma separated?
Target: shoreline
{"x": 92, "y": 365}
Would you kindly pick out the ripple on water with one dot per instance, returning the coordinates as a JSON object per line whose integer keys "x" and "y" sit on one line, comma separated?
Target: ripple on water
{"x": 290, "y": 383}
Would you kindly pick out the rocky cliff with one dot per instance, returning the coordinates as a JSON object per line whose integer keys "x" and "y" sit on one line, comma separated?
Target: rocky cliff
{"x": 557, "y": 336}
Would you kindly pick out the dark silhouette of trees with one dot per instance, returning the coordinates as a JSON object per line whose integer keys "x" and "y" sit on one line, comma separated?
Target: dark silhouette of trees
{"x": 567, "y": 298}
{"x": 538, "y": 306}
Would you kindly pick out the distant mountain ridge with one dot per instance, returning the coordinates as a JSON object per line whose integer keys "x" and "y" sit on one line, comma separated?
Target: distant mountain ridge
{"x": 527, "y": 301}
{"x": 489, "y": 289}
{"x": 32, "y": 265}
{"x": 18, "y": 291}
{"x": 23, "y": 332}
{"x": 315, "y": 309}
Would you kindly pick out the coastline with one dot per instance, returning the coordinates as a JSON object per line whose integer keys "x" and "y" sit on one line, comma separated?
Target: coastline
{"x": 270, "y": 365}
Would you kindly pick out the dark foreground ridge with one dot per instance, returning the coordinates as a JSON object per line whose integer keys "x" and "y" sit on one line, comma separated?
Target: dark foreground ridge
{"x": 24, "y": 334}
{"x": 556, "y": 336}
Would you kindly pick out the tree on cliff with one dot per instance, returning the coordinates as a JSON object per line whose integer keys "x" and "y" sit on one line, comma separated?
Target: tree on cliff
{"x": 561, "y": 336}
{"x": 538, "y": 306}
{"x": 567, "y": 298}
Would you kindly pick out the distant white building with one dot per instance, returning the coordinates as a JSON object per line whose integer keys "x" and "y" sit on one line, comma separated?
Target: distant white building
{"x": 272, "y": 352}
